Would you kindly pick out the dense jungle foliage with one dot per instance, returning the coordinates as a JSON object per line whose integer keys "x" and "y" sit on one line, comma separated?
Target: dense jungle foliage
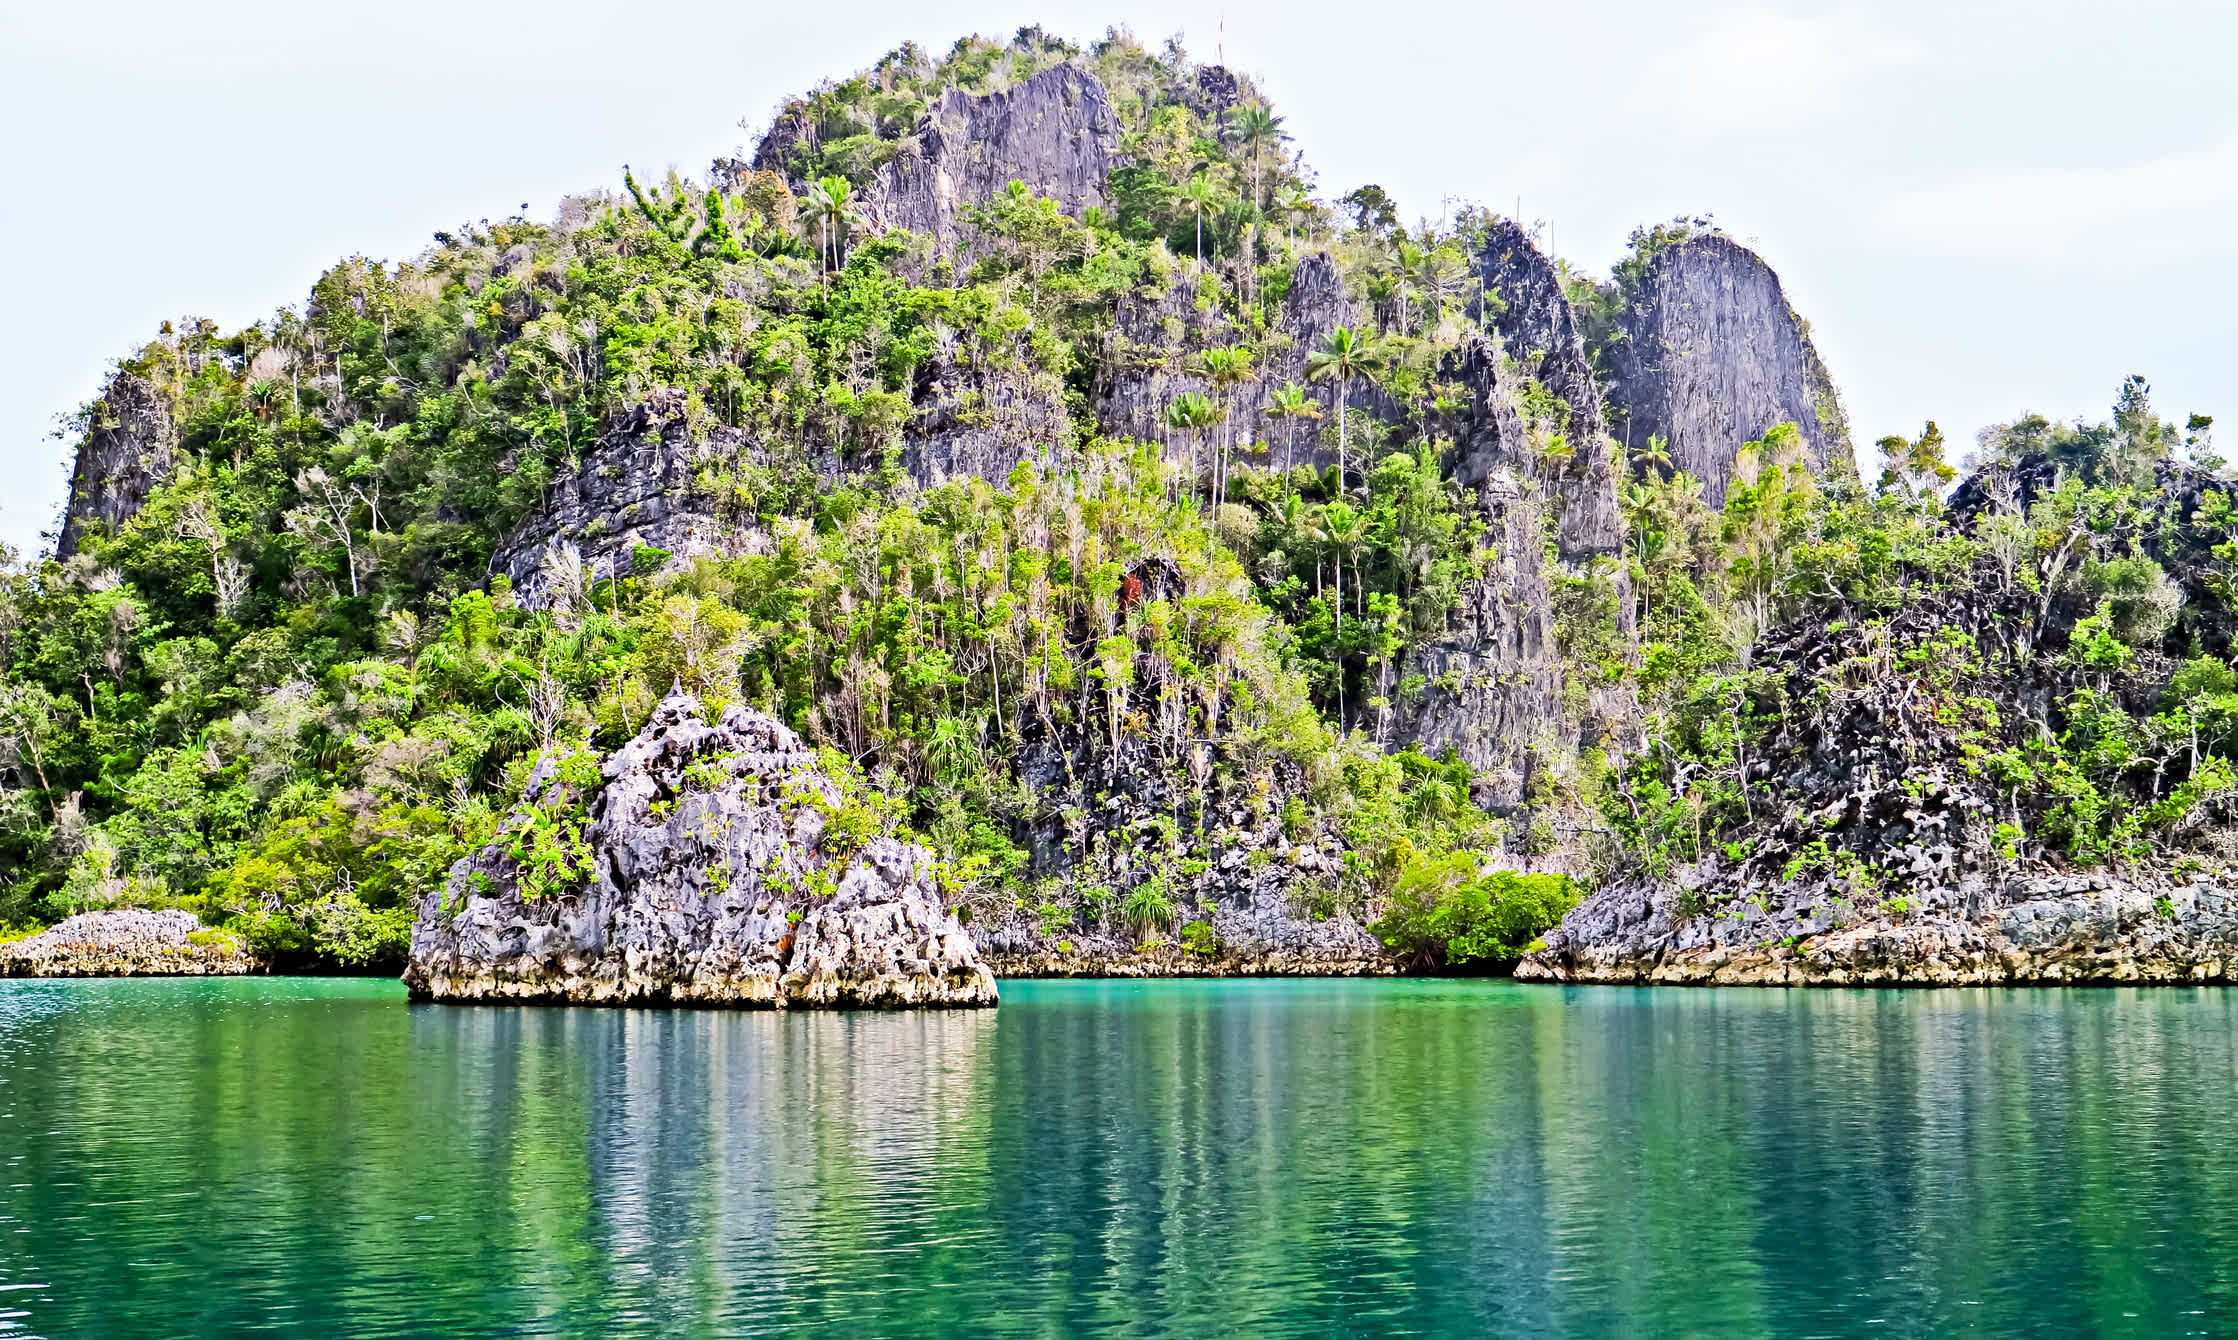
{"x": 290, "y": 692}
{"x": 2055, "y": 637}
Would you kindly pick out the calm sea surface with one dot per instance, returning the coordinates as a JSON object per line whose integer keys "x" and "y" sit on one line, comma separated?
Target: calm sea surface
{"x": 307, "y": 1157}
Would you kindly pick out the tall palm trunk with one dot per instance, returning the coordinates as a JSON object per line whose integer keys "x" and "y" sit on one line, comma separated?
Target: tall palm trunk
{"x": 1341, "y": 468}
{"x": 1339, "y": 566}
{"x": 1220, "y": 469}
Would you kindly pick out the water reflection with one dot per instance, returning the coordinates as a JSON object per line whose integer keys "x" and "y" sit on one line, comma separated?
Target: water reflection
{"x": 1178, "y": 1158}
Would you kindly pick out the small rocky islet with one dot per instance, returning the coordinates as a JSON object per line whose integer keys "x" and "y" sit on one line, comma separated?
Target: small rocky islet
{"x": 127, "y": 942}
{"x": 703, "y": 863}
{"x": 1325, "y": 577}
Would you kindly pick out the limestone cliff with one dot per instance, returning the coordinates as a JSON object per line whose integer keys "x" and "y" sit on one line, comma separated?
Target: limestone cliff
{"x": 981, "y": 418}
{"x": 1881, "y": 842}
{"x": 716, "y": 868}
{"x": 2076, "y": 928}
{"x": 1538, "y": 342}
{"x": 129, "y": 449}
{"x": 638, "y": 488}
{"x": 634, "y": 489}
{"x": 1158, "y": 335}
{"x": 976, "y": 414}
{"x": 1492, "y": 688}
{"x": 1056, "y": 132}
{"x": 1711, "y": 355}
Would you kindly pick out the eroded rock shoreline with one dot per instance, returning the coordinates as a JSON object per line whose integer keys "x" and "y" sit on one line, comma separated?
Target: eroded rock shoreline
{"x": 127, "y": 942}
{"x": 2045, "y": 930}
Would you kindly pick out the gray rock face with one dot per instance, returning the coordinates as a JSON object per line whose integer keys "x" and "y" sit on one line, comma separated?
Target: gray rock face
{"x": 982, "y": 422}
{"x": 1202, "y": 822}
{"x": 634, "y": 488}
{"x": 1252, "y": 933}
{"x": 2057, "y": 928}
{"x": 1538, "y": 341}
{"x": 1712, "y": 356}
{"x": 1149, "y": 363}
{"x": 720, "y": 873}
{"x": 1247, "y": 911}
{"x": 127, "y": 942}
{"x": 1056, "y": 132}
{"x": 1493, "y": 685}
{"x": 127, "y": 454}
{"x": 1875, "y": 848}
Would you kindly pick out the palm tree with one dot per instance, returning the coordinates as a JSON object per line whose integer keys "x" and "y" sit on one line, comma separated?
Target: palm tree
{"x": 1290, "y": 402}
{"x": 831, "y": 203}
{"x": 1191, "y": 412}
{"x": 1197, "y": 197}
{"x": 1344, "y": 527}
{"x": 1438, "y": 276}
{"x": 1344, "y": 358}
{"x": 263, "y": 399}
{"x": 1555, "y": 454}
{"x": 1402, "y": 276}
{"x": 1297, "y": 523}
{"x": 1175, "y": 420}
{"x": 1347, "y": 528}
{"x": 1642, "y": 505}
{"x": 1256, "y": 127}
{"x": 1383, "y": 287}
{"x": 1227, "y": 369}
{"x": 1654, "y": 458}
{"x": 1292, "y": 202}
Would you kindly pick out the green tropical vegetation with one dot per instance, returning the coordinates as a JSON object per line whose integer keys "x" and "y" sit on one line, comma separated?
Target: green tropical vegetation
{"x": 292, "y": 690}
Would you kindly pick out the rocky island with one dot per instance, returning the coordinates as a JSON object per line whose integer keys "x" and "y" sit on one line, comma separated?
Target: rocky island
{"x": 126, "y": 943}
{"x": 703, "y": 862}
{"x": 1010, "y": 521}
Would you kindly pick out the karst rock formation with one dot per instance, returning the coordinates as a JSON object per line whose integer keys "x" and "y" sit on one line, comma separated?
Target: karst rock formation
{"x": 706, "y": 867}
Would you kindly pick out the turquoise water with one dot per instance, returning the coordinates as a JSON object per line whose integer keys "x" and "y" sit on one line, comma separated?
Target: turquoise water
{"x": 310, "y": 1157}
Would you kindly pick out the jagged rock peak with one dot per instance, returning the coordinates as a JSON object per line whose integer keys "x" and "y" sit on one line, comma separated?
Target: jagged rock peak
{"x": 707, "y": 863}
{"x": 1056, "y": 132}
{"x": 130, "y": 448}
{"x": 1539, "y": 335}
{"x": 1711, "y": 356}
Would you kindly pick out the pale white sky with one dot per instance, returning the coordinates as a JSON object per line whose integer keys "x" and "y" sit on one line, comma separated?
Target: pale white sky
{"x": 1981, "y": 207}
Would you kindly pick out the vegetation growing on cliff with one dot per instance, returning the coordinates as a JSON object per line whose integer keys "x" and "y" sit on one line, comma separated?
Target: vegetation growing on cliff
{"x": 293, "y": 689}
{"x": 289, "y": 694}
{"x": 2039, "y": 662}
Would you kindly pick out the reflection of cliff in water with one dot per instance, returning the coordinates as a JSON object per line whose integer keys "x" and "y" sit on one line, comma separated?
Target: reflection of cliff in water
{"x": 1464, "y": 1158}
{"x": 1268, "y": 1158}
{"x": 733, "y": 1159}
